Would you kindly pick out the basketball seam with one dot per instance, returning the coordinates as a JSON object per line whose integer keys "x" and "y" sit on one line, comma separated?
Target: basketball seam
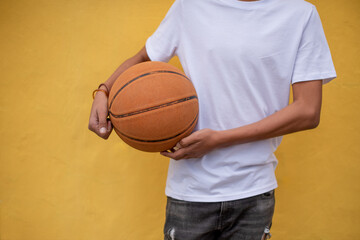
{"x": 143, "y": 75}
{"x": 159, "y": 140}
{"x": 152, "y": 108}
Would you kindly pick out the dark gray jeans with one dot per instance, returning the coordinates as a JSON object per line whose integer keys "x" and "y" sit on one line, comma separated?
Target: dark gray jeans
{"x": 244, "y": 219}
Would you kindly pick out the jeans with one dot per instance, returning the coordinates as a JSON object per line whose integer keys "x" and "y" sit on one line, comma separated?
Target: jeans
{"x": 244, "y": 219}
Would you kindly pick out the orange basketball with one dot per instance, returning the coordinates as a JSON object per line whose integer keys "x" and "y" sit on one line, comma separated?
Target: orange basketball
{"x": 152, "y": 106}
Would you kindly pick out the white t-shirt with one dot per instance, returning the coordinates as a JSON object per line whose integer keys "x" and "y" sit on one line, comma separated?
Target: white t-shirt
{"x": 242, "y": 58}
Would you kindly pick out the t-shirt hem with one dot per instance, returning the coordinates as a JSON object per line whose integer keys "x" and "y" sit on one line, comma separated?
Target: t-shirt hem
{"x": 326, "y": 77}
{"x": 149, "y": 50}
{"x": 201, "y": 198}
{"x": 151, "y": 53}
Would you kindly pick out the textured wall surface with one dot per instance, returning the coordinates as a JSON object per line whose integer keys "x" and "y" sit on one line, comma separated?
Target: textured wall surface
{"x": 59, "y": 181}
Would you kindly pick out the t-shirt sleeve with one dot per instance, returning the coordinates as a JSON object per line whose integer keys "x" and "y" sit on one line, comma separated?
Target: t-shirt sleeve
{"x": 313, "y": 60}
{"x": 163, "y": 43}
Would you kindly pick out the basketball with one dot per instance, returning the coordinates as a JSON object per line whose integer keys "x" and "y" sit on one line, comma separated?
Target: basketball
{"x": 152, "y": 106}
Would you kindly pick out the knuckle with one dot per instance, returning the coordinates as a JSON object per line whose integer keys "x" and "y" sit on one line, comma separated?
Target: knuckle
{"x": 182, "y": 142}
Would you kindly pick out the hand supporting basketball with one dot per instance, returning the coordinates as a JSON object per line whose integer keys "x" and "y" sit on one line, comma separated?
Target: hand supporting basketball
{"x": 98, "y": 122}
{"x": 195, "y": 145}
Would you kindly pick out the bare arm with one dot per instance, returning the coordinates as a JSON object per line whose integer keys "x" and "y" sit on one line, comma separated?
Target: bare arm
{"x": 302, "y": 114}
{"x": 141, "y": 56}
{"x": 98, "y": 122}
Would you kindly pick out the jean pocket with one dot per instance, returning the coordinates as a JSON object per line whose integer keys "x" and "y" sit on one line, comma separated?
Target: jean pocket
{"x": 268, "y": 195}
{"x": 173, "y": 200}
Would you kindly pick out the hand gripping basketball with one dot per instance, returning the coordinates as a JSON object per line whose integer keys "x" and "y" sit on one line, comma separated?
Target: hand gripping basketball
{"x": 99, "y": 122}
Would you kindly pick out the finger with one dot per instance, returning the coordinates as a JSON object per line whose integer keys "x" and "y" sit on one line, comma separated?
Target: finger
{"x": 165, "y": 154}
{"x": 187, "y": 141}
{"x": 177, "y": 155}
{"x": 108, "y": 130}
{"x": 177, "y": 146}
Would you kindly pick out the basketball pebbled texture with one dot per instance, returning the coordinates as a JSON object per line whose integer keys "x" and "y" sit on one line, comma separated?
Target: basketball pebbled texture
{"x": 152, "y": 106}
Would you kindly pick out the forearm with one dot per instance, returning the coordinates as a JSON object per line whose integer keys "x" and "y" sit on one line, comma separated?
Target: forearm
{"x": 302, "y": 114}
{"x": 295, "y": 117}
{"x": 140, "y": 57}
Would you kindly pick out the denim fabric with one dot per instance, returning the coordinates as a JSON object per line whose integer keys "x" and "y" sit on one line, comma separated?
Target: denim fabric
{"x": 244, "y": 219}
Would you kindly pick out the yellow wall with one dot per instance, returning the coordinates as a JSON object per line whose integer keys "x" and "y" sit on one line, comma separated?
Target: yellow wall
{"x": 58, "y": 181}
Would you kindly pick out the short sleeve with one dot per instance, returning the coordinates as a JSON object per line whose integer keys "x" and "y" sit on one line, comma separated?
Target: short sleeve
{"x": 163, "y": 43}
{"x": 313, "y": 59}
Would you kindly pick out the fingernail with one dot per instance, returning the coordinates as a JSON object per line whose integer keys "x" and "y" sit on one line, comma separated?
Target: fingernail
{"x": 102, "y": 130}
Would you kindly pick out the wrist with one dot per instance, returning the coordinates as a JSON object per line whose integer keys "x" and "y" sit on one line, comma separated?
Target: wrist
{"x": 229, "y": 137}
{"x": 219, "y": 138}
{"x": 103, "y": 89}
{"x": 101, "y": 92}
